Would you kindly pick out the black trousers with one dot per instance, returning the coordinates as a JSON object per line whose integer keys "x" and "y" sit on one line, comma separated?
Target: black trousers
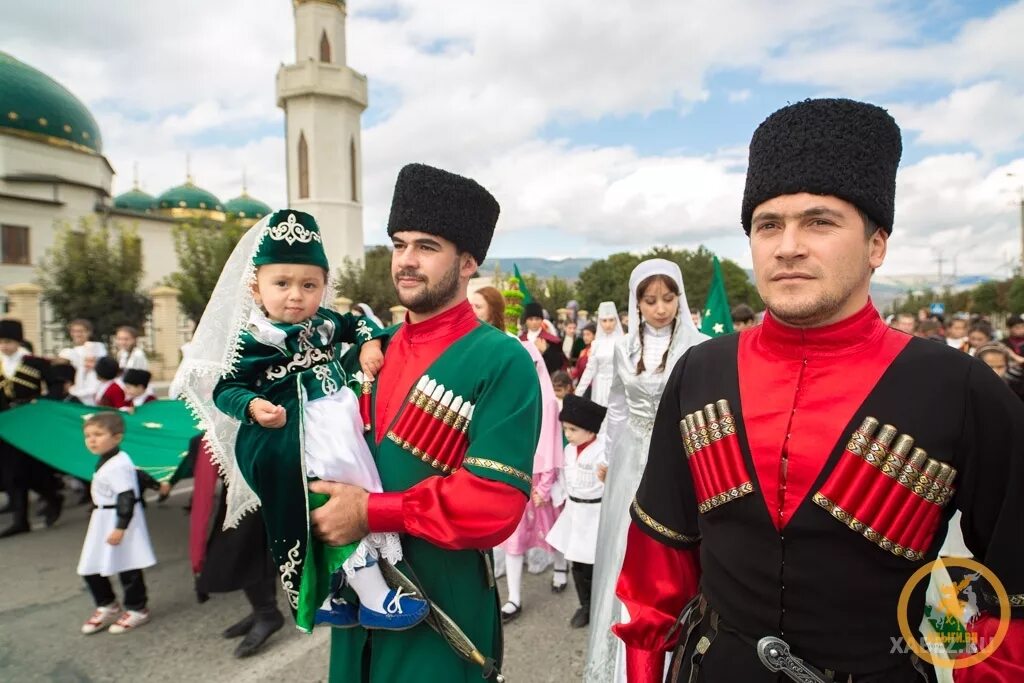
{"x": 131, "y": 581}
{"x": 583, "y": 579}
{"x": 20, "y": 473}
{"x": 262, "y": 595}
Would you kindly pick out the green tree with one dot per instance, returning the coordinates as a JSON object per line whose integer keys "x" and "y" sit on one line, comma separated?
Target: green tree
{"x": 608, "y": 279}
{"x": 94, "y": 272}
{"x": 202, "y": 249}
{"x": 369, "y": 283}
{"x": 552, "y": 293}
{"x": 1015, "y": 295}
{"x": 985, "y": 298}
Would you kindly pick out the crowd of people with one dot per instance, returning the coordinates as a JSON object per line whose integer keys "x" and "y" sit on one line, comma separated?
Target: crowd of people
{"x": 704, "y": 495}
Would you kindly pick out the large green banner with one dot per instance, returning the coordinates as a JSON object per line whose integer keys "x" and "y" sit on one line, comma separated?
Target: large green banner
{"x": 156, "y": 436}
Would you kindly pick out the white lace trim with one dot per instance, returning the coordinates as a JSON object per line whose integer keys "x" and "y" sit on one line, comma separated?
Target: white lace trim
{"x": 214, "y": 353}
{"x": 376, "y": 545}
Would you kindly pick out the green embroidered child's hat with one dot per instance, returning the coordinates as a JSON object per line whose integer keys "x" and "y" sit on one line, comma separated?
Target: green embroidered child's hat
{"x": 291, "y": 237}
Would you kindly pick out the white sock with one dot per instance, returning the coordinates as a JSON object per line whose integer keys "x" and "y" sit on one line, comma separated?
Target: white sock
{"x": 561, "y": 575}
{"x": 514, "y": 577}
{"x": 370, "y": 586}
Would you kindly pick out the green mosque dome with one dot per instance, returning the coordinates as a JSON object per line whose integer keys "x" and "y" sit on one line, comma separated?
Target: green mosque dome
{"x": 190, "y": 201}
{"x": 246, "y": 207}
{"x": 135, "y": 200}
{"x": 34, "y": 106}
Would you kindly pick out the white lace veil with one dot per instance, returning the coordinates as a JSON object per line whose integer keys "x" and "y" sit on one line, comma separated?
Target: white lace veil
{"x": 658, "y": 266}
{"x": 214, "y": 352}
{"x": 606, "y": 309}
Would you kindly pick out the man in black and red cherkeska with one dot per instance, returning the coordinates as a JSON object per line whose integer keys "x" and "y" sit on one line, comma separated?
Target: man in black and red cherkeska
{"x": 801, "y": 471}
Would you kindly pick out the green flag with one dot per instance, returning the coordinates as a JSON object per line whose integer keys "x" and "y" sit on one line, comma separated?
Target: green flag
{"x": 527, "y": 297}
{"x": 156, "y": 436}
{"x": 716, "y": 318}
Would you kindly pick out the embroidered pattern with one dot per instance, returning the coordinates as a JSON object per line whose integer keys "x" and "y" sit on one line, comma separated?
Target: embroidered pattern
{"x": 498, "y": 467}
{"x": 661, "y": 528}
{"x": 288, "y": 570}
{"x": 363, "y": 330}
{"x": 725, "y": 497}
{"x": 301, "y": 361}
{"x": 867, "y": 532}
{"x": 1017, "y": 600}
{"x": 326, "y": 377}
{"x": 291, "y": 231}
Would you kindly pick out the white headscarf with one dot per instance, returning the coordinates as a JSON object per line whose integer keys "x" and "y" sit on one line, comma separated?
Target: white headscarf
{"x": 658, "y": 266}
{"x": 368, "y": 312}
{"x": 607, "y": 310}
{"x": 213, "y": 353}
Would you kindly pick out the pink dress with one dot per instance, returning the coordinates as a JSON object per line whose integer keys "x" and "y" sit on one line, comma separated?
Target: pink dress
{"x": 547, "y": 461}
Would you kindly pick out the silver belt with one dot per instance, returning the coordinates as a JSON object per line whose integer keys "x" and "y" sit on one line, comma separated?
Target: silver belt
{"x": 644, "y": 424}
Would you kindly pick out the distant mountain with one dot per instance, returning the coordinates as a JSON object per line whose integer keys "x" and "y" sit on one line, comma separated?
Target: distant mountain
{"x": 567, "y": 269}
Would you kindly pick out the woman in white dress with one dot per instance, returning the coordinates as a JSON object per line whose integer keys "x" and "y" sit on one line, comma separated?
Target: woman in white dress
{"x": 598, "y": 373}
{"x": 660, "y": 332}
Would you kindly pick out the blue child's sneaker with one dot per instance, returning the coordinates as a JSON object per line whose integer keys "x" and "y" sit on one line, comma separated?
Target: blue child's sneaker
{"x": 401, "y": 611}
{"x": 341, "y": 614}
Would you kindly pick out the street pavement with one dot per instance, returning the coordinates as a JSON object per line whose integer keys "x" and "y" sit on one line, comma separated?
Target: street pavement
{"x": 43, "y": 604}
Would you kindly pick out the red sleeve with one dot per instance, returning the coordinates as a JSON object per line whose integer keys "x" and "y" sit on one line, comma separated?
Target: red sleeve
{"x": 1006, "y": 664}
{"x": 113, "y": 397}
{"x": 456, "y": 512}
{"x": 655, "y": 584}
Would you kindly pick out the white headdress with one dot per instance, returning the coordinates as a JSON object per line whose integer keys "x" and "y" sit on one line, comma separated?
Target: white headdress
{"x": 213, "y": 353}
{"x": 658, "y": 266}
{"x": 607, "y": 309}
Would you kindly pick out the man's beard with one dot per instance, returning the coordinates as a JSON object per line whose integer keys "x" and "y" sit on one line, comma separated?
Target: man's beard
{"x": 430, "y": 298}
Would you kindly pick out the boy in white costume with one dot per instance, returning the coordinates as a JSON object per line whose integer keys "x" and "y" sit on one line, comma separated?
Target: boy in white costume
{"x": 117, "y": 541}
{"x": 575, "y": 531}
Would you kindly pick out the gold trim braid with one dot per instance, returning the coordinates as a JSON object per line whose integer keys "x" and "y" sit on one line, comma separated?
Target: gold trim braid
{"x": 726, "y": 496}
{"x": 498, "y": 467}
{"x": 867, "y": 532}
{"x": 655, "y": 525}
{"x": 1017, "y": 600}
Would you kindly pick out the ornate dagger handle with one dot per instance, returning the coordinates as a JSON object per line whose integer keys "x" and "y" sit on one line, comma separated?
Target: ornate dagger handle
{"x": 775, "y": 655}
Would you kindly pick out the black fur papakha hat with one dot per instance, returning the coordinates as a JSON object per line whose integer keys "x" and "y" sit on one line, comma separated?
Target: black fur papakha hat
{"x": 582, "y": 412}
{"x": 12, "y": 329}
{"x": 63, "y": 372}
{"x": 836, "y": 147}
{"x": 533, "y": 310}
{"x": 437, "y": 202}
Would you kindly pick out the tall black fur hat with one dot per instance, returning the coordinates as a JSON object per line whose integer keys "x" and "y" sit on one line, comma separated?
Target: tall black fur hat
{"x": 61, "y": 372}
{"x": 582, "y": 412}
{"x": 440, "y": 203}
{"x": 12, "y": 329}
{"x": 533, "y": 310}
{"x": 836, "y": 147}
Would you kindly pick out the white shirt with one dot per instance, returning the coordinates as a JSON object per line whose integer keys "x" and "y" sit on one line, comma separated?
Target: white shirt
{"x": 11, "y": 363}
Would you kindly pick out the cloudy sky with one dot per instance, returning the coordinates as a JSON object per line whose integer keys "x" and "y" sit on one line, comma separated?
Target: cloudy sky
{"x": 600, "y": 127}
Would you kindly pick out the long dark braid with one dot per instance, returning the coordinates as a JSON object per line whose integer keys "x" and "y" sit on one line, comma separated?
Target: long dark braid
{"x": 640, "y": 332}
{"x": 664, "y": 358}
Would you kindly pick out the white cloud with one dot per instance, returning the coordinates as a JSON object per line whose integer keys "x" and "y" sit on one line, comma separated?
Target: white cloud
{"x": 986, "y": 115}
{"x": 471, "y": 86}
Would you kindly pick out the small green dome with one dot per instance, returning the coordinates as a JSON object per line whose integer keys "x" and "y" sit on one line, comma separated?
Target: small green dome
{"x": 245, "y": 206}
{"x": 35, "y": 106}
{"x": 188, "y": 200}
{"x": 135, "y": 200}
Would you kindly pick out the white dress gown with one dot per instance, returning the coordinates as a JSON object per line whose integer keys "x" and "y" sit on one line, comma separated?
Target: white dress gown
{"x": 633, "y": 403}
{"x": 135, "y": 550}
{"x": 598, "y": 373}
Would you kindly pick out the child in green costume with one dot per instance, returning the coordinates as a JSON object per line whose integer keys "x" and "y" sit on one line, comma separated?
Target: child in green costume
{"x": 295, "y": 419}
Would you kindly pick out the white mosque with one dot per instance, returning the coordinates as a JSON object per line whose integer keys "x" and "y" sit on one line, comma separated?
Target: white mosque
{"x": 53, "y": 171}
